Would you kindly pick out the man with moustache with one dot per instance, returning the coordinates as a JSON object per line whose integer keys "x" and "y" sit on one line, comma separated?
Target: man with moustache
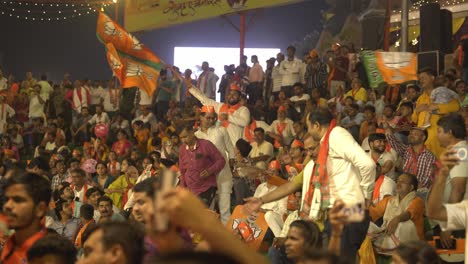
{"x": 105, "y": 209}
{"x": 27, "y": 196}
{"x": 232, "y": 115}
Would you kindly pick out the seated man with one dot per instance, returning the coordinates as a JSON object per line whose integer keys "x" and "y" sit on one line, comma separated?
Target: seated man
{"x": 262, "y": 150}
{"x": 352, "y": 122}
{"x": 105, "y": 209}
{"x": 402, "y": 216}
{"x": 67, "y": 225}
{"x": 274, "y": 211}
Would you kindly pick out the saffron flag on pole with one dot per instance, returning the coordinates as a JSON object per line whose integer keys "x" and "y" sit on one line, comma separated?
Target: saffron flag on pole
{"x": 131, "y": 61}
{"x": 390, "y": 67}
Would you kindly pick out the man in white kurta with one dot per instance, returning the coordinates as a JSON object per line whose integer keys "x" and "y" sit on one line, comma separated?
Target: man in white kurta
{"x": 233, "y": 116}
{"x": 220, "y": 138}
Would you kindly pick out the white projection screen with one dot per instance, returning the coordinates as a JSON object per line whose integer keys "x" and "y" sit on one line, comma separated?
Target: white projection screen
{"x": 192, "y": 58}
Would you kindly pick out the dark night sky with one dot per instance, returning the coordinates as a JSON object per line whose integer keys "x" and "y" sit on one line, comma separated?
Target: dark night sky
{"x": 56, "y": 48}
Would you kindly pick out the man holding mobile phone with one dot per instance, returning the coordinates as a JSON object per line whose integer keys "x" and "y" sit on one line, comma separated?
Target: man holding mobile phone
{"x": 452, "y": 216}
{"x": 451, "y": 132}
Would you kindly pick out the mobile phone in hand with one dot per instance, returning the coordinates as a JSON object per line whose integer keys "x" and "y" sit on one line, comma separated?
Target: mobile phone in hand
{"x": 161, "y": 220}
{"x": 354, "y": 213}
{"x": 461, "y": 152}
{"x": 453, "y": 245}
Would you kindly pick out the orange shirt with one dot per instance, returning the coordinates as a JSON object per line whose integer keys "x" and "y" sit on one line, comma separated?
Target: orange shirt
{"x": 15, "y": 254}
{"x": 416, "y": 209}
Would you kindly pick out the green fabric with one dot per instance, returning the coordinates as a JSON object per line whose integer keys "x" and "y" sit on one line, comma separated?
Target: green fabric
{"x": 162, "y": 94}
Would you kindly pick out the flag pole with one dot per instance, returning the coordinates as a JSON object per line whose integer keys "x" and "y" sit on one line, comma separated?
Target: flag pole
{"x": 387, "y": 25}
{"x": 242, "y": 35}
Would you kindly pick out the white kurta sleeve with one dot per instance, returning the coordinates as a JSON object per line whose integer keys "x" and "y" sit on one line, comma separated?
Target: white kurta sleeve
{"x": 241, "y": 117}
{"x": 205, "y": 100}
{"x": 350, "y": 150}
{"x": 456, "y": 216}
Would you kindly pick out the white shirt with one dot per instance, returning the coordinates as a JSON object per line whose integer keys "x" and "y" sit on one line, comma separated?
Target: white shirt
{"x": 387, "y": 188}
{"x": 109, "y": 95}
{"x": 279, "y": 206}
{"x": 36, "y": 109}
{"x": 351, "y": 172}
{"x": 238, "y": 120}
{"x": 384, "y": 157}
{"x": 288, "y": 132}
{"x": 80, "y": 194}
{"x": 96, "y": 95}
{"x": 6, "y": 110}
{"x": 277, "y": 78}
{"x": 460, "y": 170}
{"x": 145, "y": 99}
{"x": 148, "y": 119}
{"x": 102, "y": 118}
{"x": 457, "y": 220}
{"x": 296, "y": 98}
{"x": 220, "y": 138}
{"x": 291, "y": 71}
{"x": 46, "y": 89}
{"x": 3, "y": 83}
{"x": 266, "y": 148}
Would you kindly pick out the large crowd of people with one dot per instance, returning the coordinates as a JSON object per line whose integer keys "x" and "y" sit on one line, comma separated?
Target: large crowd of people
{"x": 339, "y": 172}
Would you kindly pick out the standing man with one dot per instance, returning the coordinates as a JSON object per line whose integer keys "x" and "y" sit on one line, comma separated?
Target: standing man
{"x": 200, "y": 163}
{"x": 27, "y": 197}
{"x": 111, "y": 99}
{"x": 453, "y": 216}
{"x": 207, "y": 81}
{"x": 451, "y": 132}
{"x": 79, "y": 97}
{"x": 424, "y": 104}
{"x": 256, "y": 81}
{"x": 226, "y": 80}
{"x": 6, "y": 113}
{"x": 339, "y": 65}
{"x": 291, "y": 71}
{"x": 316, "y": 74}
{"x": 276, "y": 76}
{"x": 344, "y": 173}
{"x": 233, "y": 116}
{"x": 166, "y": 90}
{"x": 220, "y": 138}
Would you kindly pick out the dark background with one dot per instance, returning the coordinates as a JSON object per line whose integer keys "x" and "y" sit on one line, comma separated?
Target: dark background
{"x": 71, "y": 46}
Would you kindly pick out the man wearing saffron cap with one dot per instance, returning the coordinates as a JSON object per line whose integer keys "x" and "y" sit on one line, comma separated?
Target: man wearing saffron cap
{"x": 220, "y": 138}
{"x": 232, "y": 115}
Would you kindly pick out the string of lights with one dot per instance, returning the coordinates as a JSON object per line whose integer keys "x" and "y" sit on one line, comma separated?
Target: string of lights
{"x": 443, "y": 3}
{"x": 48, "y": 12}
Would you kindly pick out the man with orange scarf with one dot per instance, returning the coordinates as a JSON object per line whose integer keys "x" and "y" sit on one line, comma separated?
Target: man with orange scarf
{"x": 342, "y": 170}
{"x": 232, "y": 115}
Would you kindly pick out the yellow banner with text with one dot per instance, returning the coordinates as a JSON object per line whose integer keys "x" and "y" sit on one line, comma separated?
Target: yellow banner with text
{"x": 150, "y": 14}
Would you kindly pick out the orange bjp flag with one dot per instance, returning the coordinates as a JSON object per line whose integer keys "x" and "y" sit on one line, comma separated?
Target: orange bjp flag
{"x": 115, "y": 62}
{"x": 108, "y": 31}
{"x": 140, "y": 75}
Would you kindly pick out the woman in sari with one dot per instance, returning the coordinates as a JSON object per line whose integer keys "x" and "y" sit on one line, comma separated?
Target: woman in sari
{"x": 402, "y": 216}
{"x": 119, "y": 190}
{"x": 122, "y": 146}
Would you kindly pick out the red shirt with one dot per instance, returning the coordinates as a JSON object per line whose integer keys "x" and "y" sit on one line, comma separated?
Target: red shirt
{"x": 16, "y": 254}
